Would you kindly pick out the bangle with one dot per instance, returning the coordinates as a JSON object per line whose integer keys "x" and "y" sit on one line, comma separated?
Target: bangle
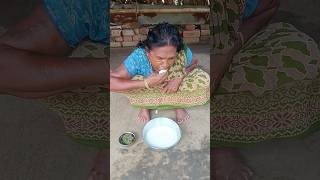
{"x": 146, "y": 84}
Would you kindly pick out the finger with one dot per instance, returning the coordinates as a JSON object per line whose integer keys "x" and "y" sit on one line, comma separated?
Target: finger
{"x": 143, "y": 120}
{"x": 139, "y": 119}
{"x": 173, "y": 90}
{"x": 164, "y": 90}
{"x": 165, "y": 83}
{"x": 160, "y": 79}
{"x": 184, "y": 119}
{"x": 164, "y": 76}
{"x": 163, "y": 80}
{"x": 167, "y": 90}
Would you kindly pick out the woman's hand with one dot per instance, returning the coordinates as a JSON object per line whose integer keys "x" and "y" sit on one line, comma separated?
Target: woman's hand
{"x": 155, "y": 79}
{"x": 192, "y": 66}
{"x": 172, "y": 86}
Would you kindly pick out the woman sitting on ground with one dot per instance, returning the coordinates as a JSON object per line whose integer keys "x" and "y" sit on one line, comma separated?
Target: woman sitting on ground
{"x": 161, "y": 73}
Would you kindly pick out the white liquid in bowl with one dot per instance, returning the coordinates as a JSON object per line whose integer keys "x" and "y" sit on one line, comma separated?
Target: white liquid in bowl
{"x": 161, "y": 133}
{"x": 162, "y": 137}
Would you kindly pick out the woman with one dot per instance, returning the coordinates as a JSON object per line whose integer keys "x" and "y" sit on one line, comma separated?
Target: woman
{"x": 161, "y": 73}
{"x": 266, "y": 81}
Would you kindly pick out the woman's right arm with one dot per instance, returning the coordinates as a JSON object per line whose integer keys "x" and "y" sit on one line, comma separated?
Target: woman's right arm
{"x": 120, "y": 80}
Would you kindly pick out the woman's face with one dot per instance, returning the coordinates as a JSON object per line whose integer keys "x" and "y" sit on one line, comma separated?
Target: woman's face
{"x": 162, "y": 58}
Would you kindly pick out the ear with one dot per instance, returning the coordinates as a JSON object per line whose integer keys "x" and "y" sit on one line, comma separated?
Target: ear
{"x": 147, "y": 53}
{"x": 147, "y": 49}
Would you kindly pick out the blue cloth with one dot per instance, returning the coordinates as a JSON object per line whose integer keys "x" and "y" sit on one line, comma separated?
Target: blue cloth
{"x": 250, "y": 7}
{"x": 79, "y": 19}
{"x": 137, "y": 62}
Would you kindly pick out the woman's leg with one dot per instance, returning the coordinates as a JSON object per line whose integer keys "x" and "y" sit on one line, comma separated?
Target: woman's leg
{"x": 144, "y": 115}
{"x": 181, "y": 115}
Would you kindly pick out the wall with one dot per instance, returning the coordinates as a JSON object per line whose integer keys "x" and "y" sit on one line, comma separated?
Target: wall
{"x": 128, "y": 35}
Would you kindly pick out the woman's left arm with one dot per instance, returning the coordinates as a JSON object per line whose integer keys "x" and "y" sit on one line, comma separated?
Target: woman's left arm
{"x": 192, "y": 66}
{"x": 172, "y": 86}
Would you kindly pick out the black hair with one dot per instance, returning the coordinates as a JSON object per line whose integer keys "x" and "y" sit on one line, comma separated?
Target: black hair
{"x": 161, "y": 35}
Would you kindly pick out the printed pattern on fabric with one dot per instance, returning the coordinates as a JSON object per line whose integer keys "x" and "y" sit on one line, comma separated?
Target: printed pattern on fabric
{"x": 273, "y": 88}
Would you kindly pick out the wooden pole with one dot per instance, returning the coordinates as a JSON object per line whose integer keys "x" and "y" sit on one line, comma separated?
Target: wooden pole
{"x": 162, "y": 10}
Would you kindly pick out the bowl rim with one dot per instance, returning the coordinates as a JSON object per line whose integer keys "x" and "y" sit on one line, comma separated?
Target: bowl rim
{"x": 179, "y": 133}
{"x": 127, "y": 132}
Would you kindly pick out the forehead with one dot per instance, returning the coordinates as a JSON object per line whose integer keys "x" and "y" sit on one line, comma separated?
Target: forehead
{"x": 165, "y": 51}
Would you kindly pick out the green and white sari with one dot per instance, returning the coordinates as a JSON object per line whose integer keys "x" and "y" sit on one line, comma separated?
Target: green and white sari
{"x": 273, "y": 88}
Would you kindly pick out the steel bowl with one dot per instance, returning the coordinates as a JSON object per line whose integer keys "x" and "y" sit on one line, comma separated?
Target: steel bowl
{"x": 127, "y": 139}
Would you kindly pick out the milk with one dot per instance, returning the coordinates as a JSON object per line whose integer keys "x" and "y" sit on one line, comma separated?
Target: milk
{"x": 161, "y": 137}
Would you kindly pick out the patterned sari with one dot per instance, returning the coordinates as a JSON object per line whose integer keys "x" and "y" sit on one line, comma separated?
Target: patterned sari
{"x": 273, "y": 88}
